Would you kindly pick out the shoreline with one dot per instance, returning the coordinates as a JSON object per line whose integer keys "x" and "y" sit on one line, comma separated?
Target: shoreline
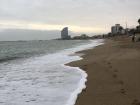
{"x": 83, "y": 80}
{"x": 113, "y": 72}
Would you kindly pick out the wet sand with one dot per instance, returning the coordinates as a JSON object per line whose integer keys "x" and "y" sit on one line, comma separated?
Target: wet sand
{"x": 113, "y": 73}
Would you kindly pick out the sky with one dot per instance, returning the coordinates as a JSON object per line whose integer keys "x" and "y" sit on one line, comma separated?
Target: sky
{"x": 81, "y": 16}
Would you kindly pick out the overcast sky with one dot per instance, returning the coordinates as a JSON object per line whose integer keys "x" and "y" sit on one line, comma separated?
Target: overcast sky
{"x": 79, "y": 15}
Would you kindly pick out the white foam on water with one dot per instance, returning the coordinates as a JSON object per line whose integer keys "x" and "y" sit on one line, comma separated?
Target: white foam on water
{"x": 44, "y": 80}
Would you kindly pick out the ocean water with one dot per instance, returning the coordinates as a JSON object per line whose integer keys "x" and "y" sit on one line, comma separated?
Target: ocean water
{"x": 34, "y": 72}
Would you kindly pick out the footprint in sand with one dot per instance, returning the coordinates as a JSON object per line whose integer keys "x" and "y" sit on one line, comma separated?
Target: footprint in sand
{"x": 135, "y": 102}
{"x": 114, "y": 75}
{"x": 109, "y": 65}
{"x": 123, "y": 91}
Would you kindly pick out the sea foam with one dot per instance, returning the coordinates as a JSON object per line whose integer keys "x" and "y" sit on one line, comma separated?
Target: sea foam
{"x": 44, "y": 80}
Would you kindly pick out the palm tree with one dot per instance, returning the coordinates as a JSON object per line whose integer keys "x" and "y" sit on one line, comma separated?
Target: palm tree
{"x": 139, "y": 21}
{"x": 137, "y": 27}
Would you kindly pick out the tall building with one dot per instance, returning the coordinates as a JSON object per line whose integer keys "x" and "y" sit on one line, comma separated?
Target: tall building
{"x": 64, "y": 34}
{"x": 117, "y": 29}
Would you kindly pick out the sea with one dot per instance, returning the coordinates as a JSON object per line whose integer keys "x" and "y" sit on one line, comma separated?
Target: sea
{"x": 34, "y": 72}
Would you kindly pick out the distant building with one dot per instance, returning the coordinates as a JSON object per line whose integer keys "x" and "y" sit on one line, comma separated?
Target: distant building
{"x": 117, "y": 29}
{"x": 64, "y": 34}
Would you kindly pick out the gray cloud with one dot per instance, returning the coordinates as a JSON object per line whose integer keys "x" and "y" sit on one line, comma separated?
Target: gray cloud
{"x": 67, "y": 11}
{"x": 83, "y": 13}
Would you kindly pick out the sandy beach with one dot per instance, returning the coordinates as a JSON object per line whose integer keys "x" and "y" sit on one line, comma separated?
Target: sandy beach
{"x": 113, "y": 73}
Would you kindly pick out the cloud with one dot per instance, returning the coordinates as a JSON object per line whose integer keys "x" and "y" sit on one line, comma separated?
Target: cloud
{"x": 83, "y": 13}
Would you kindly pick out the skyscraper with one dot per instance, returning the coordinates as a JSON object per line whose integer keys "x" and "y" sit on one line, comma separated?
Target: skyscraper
{"x": 64, "y": 33}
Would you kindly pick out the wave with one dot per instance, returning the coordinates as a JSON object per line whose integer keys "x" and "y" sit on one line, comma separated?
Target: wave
{"x": 44, "y": 80}
{"x": 19, "y": 56}
{"x": 8, "y": 59}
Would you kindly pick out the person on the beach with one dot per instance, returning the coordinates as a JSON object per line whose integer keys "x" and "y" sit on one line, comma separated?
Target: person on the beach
{"x": 133, "y": 37}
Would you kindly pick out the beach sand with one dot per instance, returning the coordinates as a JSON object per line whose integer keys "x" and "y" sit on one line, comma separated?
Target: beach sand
{"x": 113, "y": 73}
